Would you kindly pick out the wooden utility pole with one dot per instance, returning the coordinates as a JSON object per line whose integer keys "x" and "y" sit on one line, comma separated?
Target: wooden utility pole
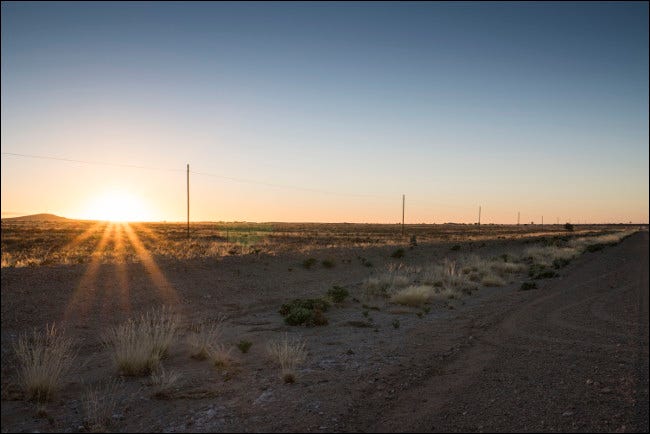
{"x": 479, "y": 215}
{"x": 403, "y": 203}
{"x": 518, "y": 215}
{"x": 188, "y": 201}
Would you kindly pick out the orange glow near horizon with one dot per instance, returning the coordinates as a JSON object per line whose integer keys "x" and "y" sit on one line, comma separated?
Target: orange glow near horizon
{"x": 117, "y": 206}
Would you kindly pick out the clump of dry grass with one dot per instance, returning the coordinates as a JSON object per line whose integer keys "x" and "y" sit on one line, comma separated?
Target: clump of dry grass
{"x": 505, "y": 268}
{"x": 443, "y": 294}
{"x": 583, "y": 243}
{"x": 545, "y": 255}
{"x": 448, "y": 275}
{"x": 289, "y": 354}
{"x": 204, "y": 340}
{"x": 44, "y": 358}
{"x": 137, "y": 346}
{"x": 98, "y": 404}
{"x": 381, "y": 285}
{"x": 416, "y": 295}
{"x": 221, "y": 356}
{"x": 492, "y": 280}
{"x": 163, "y": 382}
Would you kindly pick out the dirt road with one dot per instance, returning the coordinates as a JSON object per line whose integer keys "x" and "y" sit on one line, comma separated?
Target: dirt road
{"x": 570, "y": 356}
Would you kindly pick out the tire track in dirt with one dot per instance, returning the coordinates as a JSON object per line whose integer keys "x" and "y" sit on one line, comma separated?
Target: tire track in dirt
{"x": 545, "y": 363}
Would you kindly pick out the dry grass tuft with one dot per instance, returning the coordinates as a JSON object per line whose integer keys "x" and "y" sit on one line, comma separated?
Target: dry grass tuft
{"x": 137, "y": 346}
{"x": 413, "y": 295}
{"x": 163, "y": 383}
{"x": 98, "y": 405}
{"x": 44, "y": 358}
{"x": 289, "y": 354}
{"x": 444, "y": 294}
{"x": 221, "y": 356}
{"x": 492, "y": 280}
{"x": 204, "y": 340}
{"x": 547, "y": 254}
{"x": 448, "y": 275}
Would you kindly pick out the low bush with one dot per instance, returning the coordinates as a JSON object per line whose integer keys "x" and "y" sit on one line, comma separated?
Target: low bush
{"x": 338, "y": 294}
{"x": 308, "y": 263}
{"x": 244, "y": 345}
{"x": 328, "y": 263}
{"x": 305, "y": 311}
{"x": 527, "y": 286}
{"x": 399, "y": 253}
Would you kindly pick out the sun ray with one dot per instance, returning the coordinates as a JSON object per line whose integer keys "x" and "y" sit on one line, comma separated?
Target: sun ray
{"x": 79, "y": 239}
{"x": 79, "y": 304}
{"x": 167, "y": 291}
{"x": 120, "y": 268}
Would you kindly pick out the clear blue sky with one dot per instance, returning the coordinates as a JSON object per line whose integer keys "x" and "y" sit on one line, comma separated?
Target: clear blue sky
{"x": 539, "y": 108}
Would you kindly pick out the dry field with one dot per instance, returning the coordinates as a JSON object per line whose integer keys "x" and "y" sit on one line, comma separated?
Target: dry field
{"x": 278, "y": 327}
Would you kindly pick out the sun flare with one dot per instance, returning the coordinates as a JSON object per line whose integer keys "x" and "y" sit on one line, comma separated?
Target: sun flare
{"x": 118, "y": 206}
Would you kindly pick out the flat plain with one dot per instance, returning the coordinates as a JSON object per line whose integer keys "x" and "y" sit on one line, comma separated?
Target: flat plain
{"x": 443, "y": 328}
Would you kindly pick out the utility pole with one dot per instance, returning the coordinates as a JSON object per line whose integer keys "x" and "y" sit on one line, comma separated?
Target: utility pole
{"x": 188, "y": 201}
{"x": 542, "y": 221}
{"x": 479, "y": 215}
{"x": 518, "y": 215}
{"x": 403, "y": 203}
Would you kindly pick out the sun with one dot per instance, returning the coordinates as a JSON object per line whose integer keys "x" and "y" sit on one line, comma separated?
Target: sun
{"x": 117, "y": 206}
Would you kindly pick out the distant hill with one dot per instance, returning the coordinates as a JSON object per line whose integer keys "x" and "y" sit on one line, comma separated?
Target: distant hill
{"x": 38, "y": 218}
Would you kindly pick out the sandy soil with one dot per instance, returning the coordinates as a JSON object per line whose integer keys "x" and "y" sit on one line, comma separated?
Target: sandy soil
{"x": 569, "y": 356}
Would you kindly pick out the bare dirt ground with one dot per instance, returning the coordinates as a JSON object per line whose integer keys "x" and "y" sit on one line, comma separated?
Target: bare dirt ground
{"x": 571, "y": 355}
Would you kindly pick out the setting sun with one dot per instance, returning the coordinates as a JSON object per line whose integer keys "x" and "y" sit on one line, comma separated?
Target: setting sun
{"x": 117, "y": 206}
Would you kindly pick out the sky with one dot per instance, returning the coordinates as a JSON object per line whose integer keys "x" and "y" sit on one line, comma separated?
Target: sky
{"x": 327, "y": 112}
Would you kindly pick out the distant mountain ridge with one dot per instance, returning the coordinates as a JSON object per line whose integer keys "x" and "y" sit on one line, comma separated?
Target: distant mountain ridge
{"x": 43, "y": 217}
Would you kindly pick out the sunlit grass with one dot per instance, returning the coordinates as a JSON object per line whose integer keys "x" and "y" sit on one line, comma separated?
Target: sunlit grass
{"x": 44, "y": 358}
{"x": 137, "y": 346}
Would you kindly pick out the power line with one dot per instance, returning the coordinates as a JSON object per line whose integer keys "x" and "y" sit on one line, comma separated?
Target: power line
{"x": 212, "y": 175}
{"x": 101, "y": 163}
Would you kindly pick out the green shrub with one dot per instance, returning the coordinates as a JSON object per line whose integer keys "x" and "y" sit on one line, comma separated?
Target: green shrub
{"x": 305, "y": 311}
{"x": 596, "y": 247}
{"x": 395, "y": 323}
{"x": 568, "y": 227}
{"x": 306, "y": 303}
{"x": 455, "y": 247}
{"x": 399, "y": 253}
{"x": 538, "y": 271}
{"x": 328, "y": 263}
{"x": 338, "y": 294}
{"x": 308, "y": 263}
{"x": 244, "y": 346}
{"x": 560, "y": 262}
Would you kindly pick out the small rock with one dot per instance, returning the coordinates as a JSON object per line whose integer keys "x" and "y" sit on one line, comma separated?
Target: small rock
{"x": 567, "y": 414}
{"x": 606, "y": 390}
